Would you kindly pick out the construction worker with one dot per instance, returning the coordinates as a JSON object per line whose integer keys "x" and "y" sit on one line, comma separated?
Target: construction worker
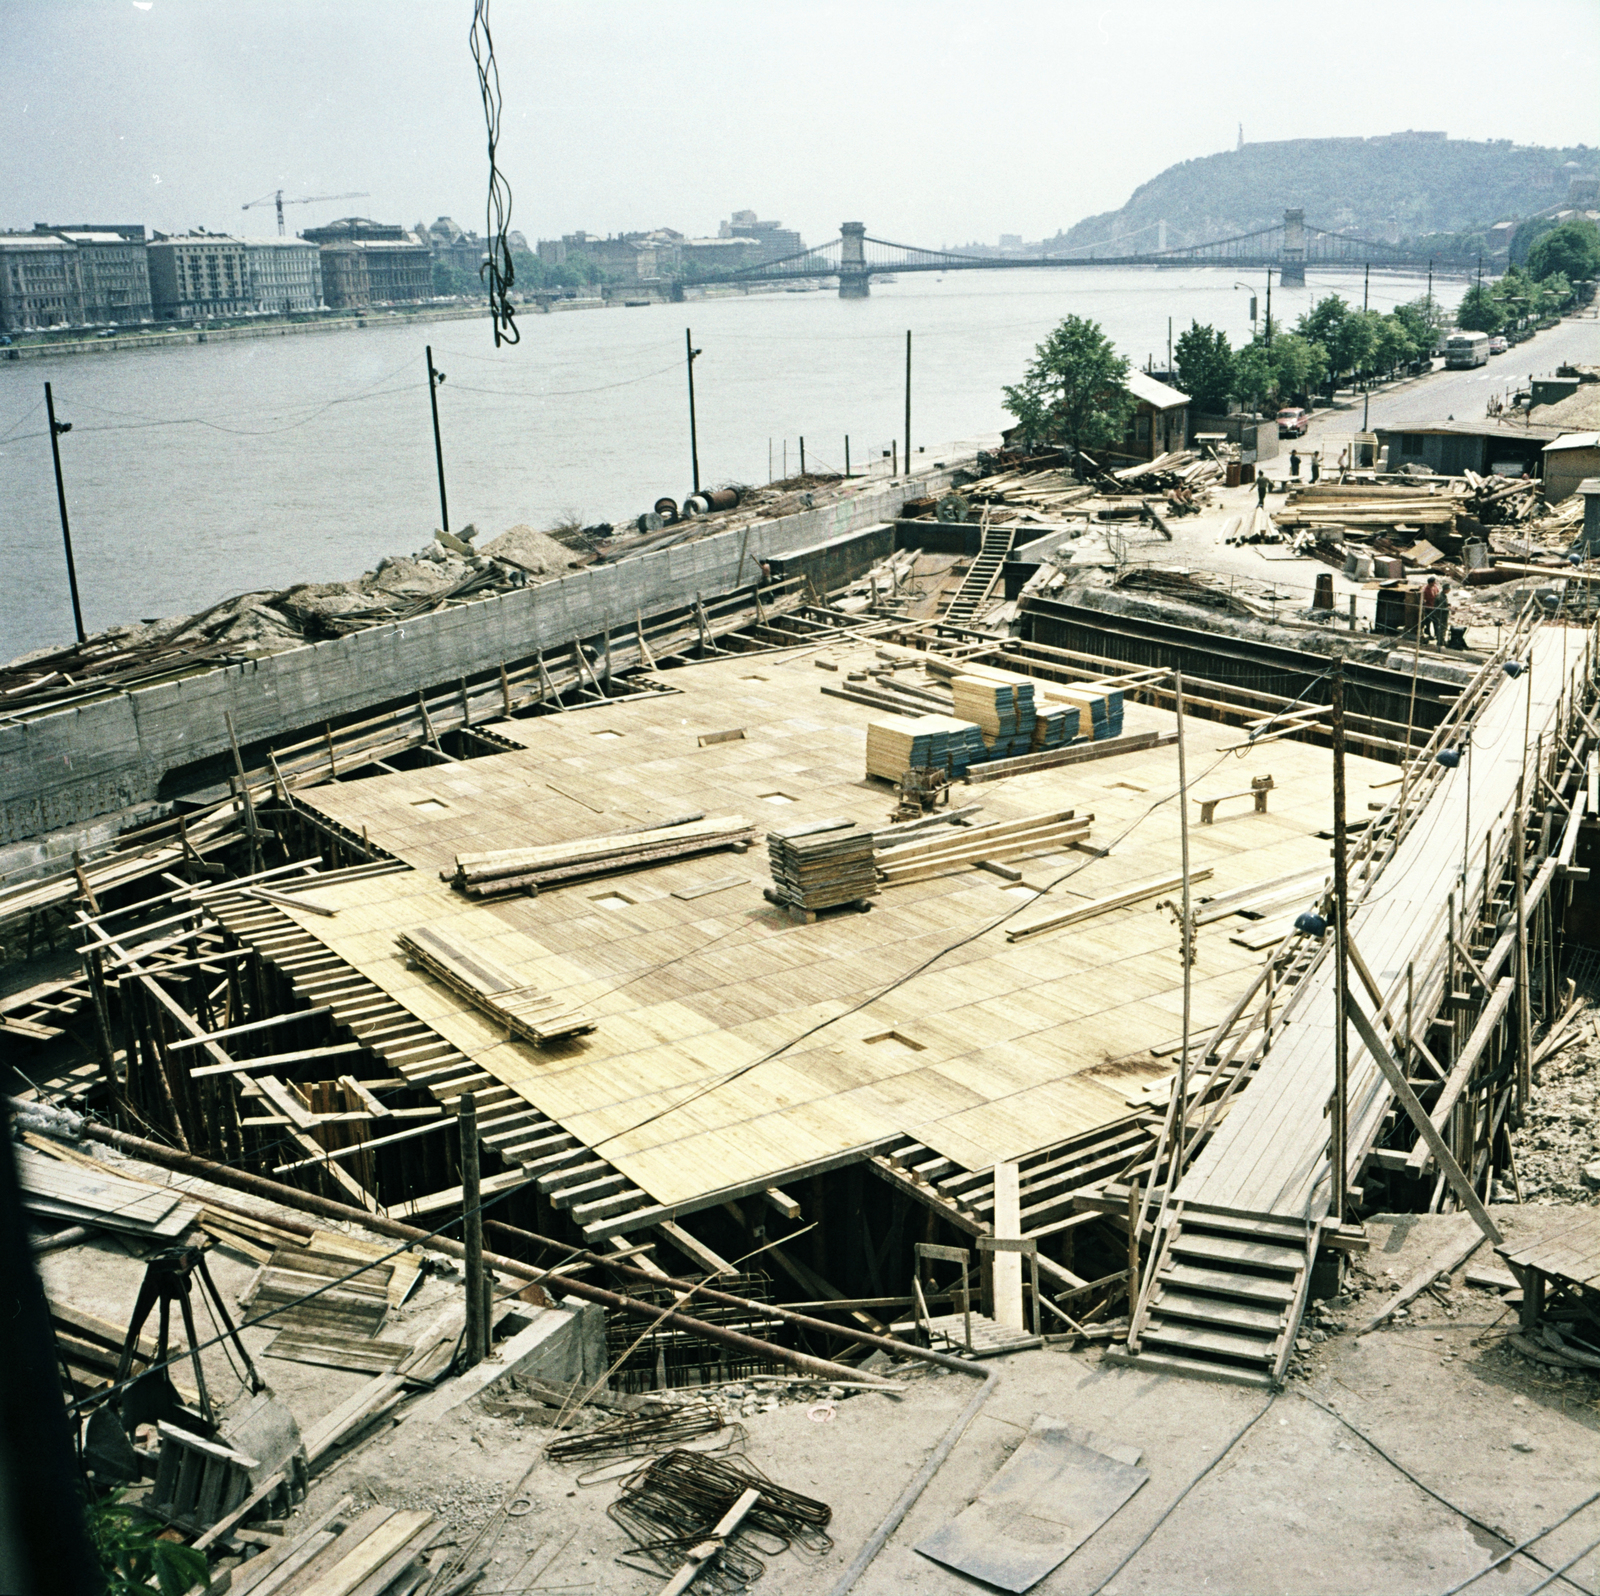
{"x": 1294, "y": 464}
{"x": 1435, "y": 611}
{"x": 1261, "y": 489}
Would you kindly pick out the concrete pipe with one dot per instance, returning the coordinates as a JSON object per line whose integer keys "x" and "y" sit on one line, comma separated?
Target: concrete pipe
{"x": 667, "y": 509}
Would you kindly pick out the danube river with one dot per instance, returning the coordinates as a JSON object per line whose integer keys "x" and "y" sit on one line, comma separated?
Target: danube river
{"x": 200, "y": 471}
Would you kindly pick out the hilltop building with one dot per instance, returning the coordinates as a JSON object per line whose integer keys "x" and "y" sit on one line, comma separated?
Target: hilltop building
{"x": 772, "y": 240}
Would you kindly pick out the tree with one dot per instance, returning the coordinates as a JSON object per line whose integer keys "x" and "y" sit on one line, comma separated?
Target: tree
{"x": 1478, "y": 311}
{"x": 1254, "y": 380}
{"x": 1299, "y": 365}
{"x": 1073, "y": 389}
{"x": 1422, "y": 318}
{"x": 1393, "y": 344}
{"x": 1573, "y": 249}
{"x": 1206, "y": 368}
{"x": 1345, "y": 334}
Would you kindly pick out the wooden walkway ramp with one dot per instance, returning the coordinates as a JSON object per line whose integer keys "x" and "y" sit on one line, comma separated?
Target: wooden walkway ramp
{"x": 1233, "y": 1246}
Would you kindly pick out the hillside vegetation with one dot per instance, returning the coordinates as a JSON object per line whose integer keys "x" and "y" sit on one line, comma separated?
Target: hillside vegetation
{"x": 1397, "y": 187}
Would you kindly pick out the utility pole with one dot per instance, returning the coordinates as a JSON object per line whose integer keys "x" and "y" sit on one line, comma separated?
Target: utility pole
{"x": 1366, "y": 284}
{"x": 56, "y": 429}
{"x": 1339, "y": 1151}
{"x": 908, "y": 401}
{"x": 435, "y": 378}
{"x": 1269, "y": 310}
{"x": 694, "y": 441}
{"x": 1169, "y": 349}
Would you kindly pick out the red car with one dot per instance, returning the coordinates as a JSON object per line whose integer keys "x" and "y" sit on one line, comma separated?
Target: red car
{"x": 1293, "y": 423}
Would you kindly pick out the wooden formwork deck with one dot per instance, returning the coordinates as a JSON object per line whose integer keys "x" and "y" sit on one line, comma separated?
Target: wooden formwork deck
{"x": 987, "y": 1051}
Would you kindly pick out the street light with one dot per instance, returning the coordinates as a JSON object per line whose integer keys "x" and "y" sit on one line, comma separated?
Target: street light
{"x": 1249, "y": 289}
{"x": 57, "y": 428}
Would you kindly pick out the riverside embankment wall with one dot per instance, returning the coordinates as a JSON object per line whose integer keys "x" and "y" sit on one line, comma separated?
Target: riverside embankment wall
{"x": 62, "y": 769}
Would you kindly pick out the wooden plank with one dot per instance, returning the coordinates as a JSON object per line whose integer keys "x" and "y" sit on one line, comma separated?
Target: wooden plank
{"x": 244, "y": 1066}
{"x": 1135, "y": 893}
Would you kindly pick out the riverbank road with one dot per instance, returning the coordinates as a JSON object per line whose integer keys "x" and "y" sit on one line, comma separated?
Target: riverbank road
{"x": 1444, "y": 395}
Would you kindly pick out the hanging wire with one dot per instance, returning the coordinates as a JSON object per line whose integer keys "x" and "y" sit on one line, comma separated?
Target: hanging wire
{"x": 497, "y": 270}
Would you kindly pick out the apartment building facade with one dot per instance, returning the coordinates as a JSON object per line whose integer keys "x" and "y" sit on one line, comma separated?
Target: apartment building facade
{"x": 285, "y": 275}
{"x": 194, "y": 275}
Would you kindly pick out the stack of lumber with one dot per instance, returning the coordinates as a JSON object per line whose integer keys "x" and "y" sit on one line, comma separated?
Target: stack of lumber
{"x": 1099, "y": 707}
{"x": 815, "y": 868}
{"x": 1002, "y": 710}
{"x": 962, "y": 848}
{"x": 527, "y": 869}
{"x": 380, "y": 1550}
{"x": 524, "y": 1011}
{"x": 83, "y": 1192}
{"x": 1368, "y": 507}
{"x": 1182, "y": 468}
{"x": 1055, "y": 725}
{"x": 344, "y": 1305}
{"x": 917, "y": 742}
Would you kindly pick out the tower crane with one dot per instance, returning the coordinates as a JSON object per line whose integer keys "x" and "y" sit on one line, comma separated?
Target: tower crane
{"x": 276, "y": 198}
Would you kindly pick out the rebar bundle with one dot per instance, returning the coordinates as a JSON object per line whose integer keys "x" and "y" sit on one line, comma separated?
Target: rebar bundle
{"x": 637, "y": 1433}
{"x": 673, "y": 1502}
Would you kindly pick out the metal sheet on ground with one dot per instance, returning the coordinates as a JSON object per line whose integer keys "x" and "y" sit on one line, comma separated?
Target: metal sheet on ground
{"x": 1048, "y": 1498}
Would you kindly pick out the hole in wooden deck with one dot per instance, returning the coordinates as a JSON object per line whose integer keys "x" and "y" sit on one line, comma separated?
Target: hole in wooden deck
{"x": 1021, "y": 891}
{"x": 899, "y": 1039}
{"x": 612, "y": 900}
{"x": 613, "y": 736}
{"x": 429, "y": 806}
{"x": 777, "y": 798}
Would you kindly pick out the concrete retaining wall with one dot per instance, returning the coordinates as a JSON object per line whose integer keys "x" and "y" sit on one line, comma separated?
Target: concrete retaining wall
{"x": 61, "y": 769}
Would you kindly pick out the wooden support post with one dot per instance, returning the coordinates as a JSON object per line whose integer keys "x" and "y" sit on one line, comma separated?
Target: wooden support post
{"x": 1186, "y": 950}
{"x": 1133, "y": 1245}
{"x": 333, "y": 764}
{"x": 1340, "y": 1152}
{"x": 466, "y": 704}
{"x": 645, "y": 656}
{"x": 1524, "y": 1019}
{"x": 244, "y": 793}
{"x": 505, "y": 689}
{"x": 427, "y": 720}
{"x": 1007, "y": 1227}
{"x": 1459, "y": 1183}
{"x": 477, "y": 1338}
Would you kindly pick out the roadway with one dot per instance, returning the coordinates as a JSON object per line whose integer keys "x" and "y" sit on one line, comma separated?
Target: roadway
{"x": 1461, "y": 394}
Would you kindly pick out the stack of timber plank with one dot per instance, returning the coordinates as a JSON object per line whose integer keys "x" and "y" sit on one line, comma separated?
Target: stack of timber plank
{"x": 962, "y": 848}
{"x": 814, "y": 869}
{"x": 481, "y": 875}
{"x": 535, "y": 1016}
{"x": 83, "y": 1192}
{"x": 1002, "y": 710}
{"x": 1055, "y": 725}
{"x": 898, "y": 743}
{"x": 1368, "y": 507}
{"x": 1099, "y": 707}
{"x": 342, "y": 1555}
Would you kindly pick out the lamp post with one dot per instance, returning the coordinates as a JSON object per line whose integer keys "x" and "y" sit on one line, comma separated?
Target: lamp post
{"x": 56, "y": 429}
{"x": 435, "y": 377}
{"x": 694, "y": 443}
{"x": 1249, "y": 288}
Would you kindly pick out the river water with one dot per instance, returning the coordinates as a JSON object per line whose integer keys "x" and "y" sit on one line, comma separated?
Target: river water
{"x": 204, "y": 470}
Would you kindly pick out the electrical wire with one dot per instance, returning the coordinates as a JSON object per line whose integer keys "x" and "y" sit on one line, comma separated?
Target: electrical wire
{"x": 1444, "y": 1501}
{"x": 1144, "y": 1540}
{"x": 1505, "y": 1557}
{"x": 498, "y": 270}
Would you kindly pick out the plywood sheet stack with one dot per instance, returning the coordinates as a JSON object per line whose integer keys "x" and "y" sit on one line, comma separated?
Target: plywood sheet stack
{"x": 1100, "y": 708}
{"x": 1003, "y": 711}
{"x": 524, "y": 1011}
{"x": 1055, "y": 725}
{"x": 898, "y": 743}
{"x": 820, "y": 869}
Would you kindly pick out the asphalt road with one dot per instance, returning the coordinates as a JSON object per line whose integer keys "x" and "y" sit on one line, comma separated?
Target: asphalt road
{"x": 1464, "y": 394}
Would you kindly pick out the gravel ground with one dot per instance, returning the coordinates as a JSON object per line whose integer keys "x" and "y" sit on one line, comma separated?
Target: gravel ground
{"x": 1558, "y": 1150}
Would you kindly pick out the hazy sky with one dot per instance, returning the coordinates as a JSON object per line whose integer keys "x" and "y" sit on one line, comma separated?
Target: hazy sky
{"x": 932, "y": 122}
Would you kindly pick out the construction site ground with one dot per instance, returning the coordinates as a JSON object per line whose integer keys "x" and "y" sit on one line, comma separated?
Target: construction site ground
{"x": 1304, "y": 1502}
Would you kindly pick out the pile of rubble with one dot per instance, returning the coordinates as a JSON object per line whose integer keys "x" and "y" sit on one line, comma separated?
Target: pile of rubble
{"x": 449, "y": 570}
{"x": 1558, "y": 1147}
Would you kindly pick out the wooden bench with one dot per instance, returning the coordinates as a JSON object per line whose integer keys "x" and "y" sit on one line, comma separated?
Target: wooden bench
{"x": 1258, "y": 789}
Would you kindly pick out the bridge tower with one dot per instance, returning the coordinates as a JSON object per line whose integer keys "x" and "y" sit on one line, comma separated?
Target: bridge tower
{"x": 854, "y": 281}
{"x": 1292, "y": 273}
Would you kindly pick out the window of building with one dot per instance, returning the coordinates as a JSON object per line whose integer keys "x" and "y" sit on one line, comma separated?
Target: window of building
{"x": 1411, "y": 443}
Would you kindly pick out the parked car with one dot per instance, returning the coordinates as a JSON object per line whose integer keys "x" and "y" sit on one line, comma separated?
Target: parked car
{"x": 1498, "y": 345}
{"x": 1293, "y": 423}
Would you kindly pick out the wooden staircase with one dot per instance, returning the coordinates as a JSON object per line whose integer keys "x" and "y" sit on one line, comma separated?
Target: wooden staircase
{"x": 982, "y": 575}
{"x": 1223, "y": 1297}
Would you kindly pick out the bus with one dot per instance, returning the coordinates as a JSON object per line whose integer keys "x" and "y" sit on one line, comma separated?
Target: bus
{"x": 1466, "y": 349}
